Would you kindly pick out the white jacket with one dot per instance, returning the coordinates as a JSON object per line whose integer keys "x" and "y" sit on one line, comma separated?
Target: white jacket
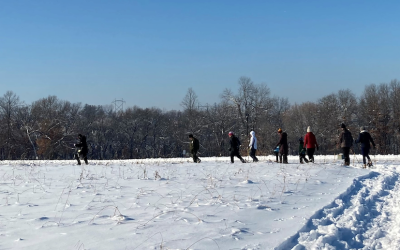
{"x": 253, "y": 140}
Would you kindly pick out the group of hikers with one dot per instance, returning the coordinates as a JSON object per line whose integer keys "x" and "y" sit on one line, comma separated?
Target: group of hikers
{"x": 307, "y": 145}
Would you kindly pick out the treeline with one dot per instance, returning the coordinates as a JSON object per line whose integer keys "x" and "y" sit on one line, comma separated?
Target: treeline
{"x": 47, "y": 128}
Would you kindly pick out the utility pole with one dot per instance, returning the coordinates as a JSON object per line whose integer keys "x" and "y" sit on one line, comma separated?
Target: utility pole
{"x": 247, "y": 124}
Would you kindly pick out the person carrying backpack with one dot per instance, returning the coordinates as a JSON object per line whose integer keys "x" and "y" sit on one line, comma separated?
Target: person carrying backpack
{"x": 234, "y": 147}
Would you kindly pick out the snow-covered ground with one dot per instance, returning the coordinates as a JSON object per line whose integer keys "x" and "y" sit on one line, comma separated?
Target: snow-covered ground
{"x": 176, "y": 204}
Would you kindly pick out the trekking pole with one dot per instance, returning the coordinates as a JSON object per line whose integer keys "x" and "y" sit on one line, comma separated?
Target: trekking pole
{"x": 374, "y": 155}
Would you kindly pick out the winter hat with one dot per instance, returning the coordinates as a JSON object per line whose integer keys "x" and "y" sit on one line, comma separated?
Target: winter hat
{"x": 190, "y": 136}
{"x": 308, "y": 129}
{"x": 362, "y": 128}
{"x": 230, "y": 133}
{"x": 279, "y": 130}
{"x": 301, "y": 139}
{"x": 343, "y": 126}
{"x": 79, "y": 135}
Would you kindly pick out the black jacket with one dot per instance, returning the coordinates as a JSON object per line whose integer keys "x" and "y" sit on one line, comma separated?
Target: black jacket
{"x": 82, "y": 145}
{"x": 346, "y": 139}
{"x": 234, "y": 143}
{"x": 365, "y": 138}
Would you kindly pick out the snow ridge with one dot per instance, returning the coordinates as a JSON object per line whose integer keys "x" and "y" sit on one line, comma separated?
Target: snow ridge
{"x": 358, "y": 218}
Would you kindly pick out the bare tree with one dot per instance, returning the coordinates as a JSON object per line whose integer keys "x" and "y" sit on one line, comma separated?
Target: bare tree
{"x": 190, "y": 102}
{"x": 9, "y": 105}
{"x": 328, "y": 120}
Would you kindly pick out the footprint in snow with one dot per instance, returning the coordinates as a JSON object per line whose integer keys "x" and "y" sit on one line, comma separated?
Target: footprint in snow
{"x": 267, "y": 208}
{"x": 248, "y": 182}
{"x": 42, "y": 218}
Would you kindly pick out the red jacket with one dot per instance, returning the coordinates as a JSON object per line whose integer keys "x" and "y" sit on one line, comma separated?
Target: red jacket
{"x": 310, "y": 141}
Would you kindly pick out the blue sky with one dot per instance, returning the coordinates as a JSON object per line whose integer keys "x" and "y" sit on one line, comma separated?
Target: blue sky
{"x": 150, "y": 52}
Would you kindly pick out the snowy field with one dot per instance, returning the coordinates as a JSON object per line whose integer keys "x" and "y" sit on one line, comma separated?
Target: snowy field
{"x": 176, "y": 204}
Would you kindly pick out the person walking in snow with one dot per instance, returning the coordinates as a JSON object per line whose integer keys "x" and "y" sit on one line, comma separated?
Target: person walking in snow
{"x": 302, "y": 151}
{"x": 346, "y": 142}
{"x": 310, "y": 144}
{"x": 234, "y": 147}
{"x": 253, "y": 146}
{"x": 283, "y": 146}
{"x": 82, "y": 149}
{"x": 194, "y": 147}
{"x": 365, "y": 139}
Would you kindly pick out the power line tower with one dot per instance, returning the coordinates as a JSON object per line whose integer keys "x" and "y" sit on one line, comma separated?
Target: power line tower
{"x": 118, "y": 105}
{"x": 202, "y": 107}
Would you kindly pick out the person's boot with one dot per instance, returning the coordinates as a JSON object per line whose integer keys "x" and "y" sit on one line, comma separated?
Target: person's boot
{"x": 365, "y": 166}
{"x": 370, "y": 163}
{"x": 285, "y": 161}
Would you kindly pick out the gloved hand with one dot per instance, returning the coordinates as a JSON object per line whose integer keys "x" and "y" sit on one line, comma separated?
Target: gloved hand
{"x": 317, "y": 148}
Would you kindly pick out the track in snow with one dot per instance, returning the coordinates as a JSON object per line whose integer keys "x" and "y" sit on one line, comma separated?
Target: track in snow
{"x": 366, "y": 216}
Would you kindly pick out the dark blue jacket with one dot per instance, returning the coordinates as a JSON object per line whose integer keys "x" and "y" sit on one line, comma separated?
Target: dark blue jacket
{"x": 365, "y": 138}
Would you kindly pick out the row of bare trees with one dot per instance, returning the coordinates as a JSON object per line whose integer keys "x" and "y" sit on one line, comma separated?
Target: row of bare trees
{"x": 47, "y": 128}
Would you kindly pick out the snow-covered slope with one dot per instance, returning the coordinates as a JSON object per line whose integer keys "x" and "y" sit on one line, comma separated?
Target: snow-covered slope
{"x": 176, "y": 204}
